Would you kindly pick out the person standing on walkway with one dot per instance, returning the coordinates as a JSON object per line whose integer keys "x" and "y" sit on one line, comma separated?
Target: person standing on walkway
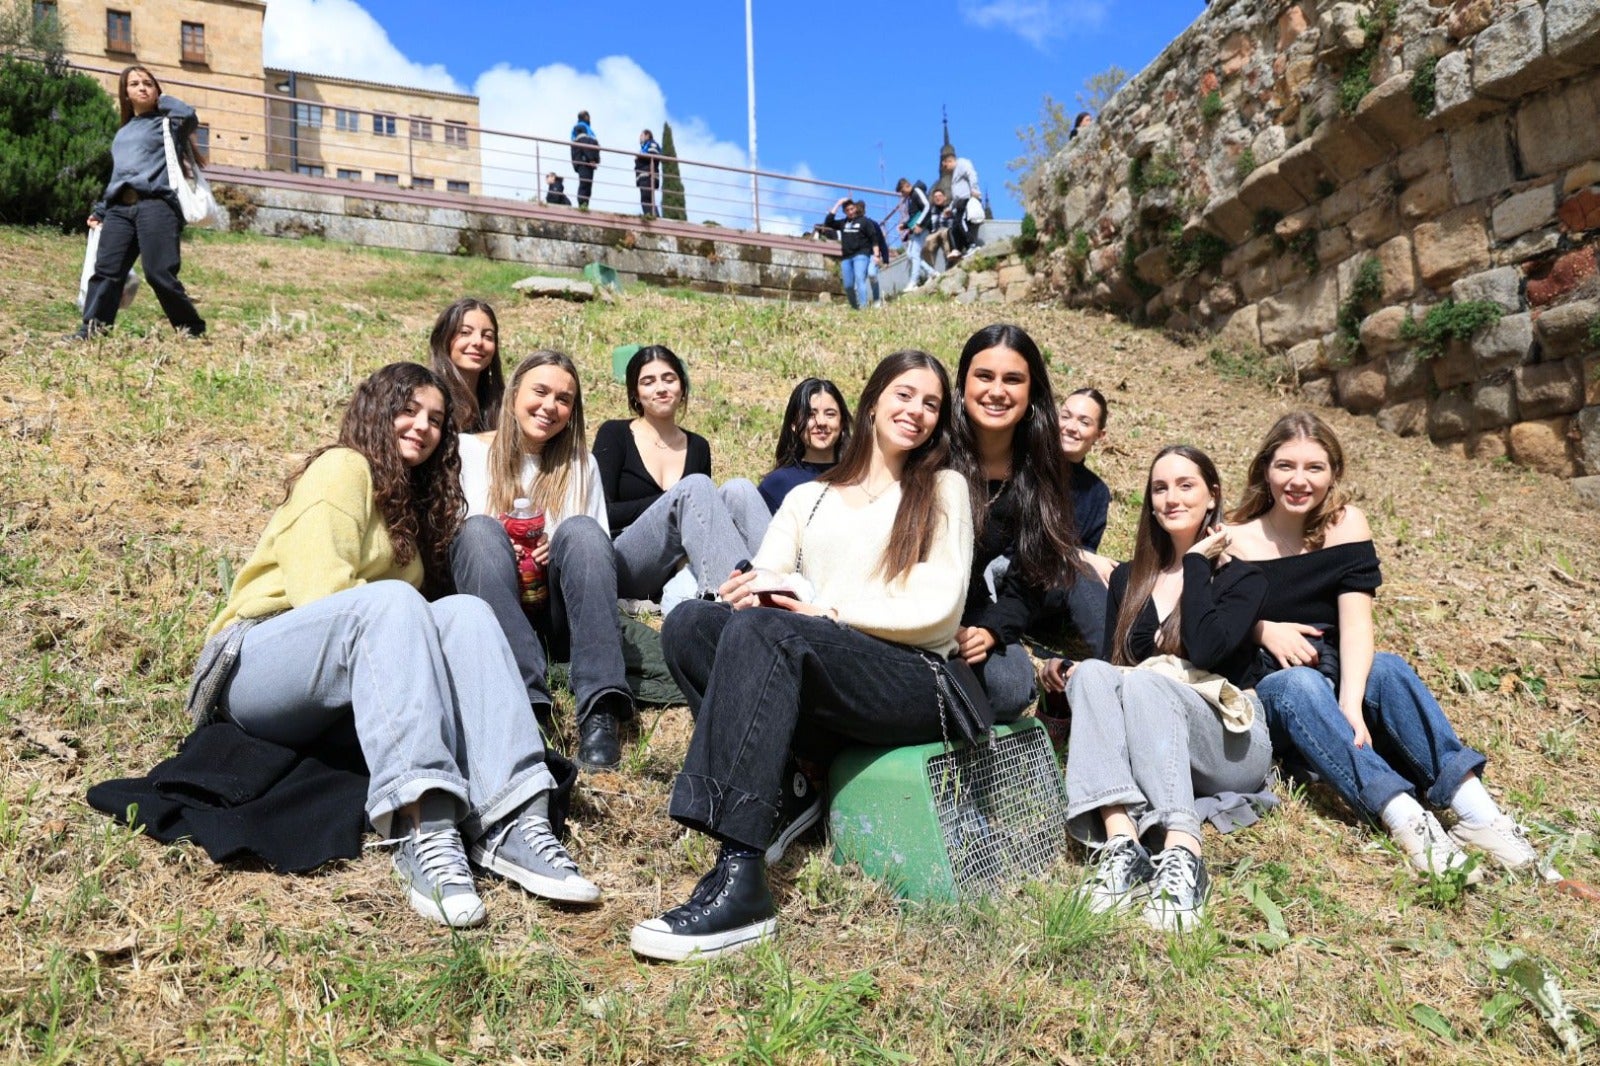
{"x": 647, "y": 173}
{"x": 966, "y": 202}
{"x": 919, "y": 210}
{"x": 139, "y": 217}
{"x": 585, "y": 157}
{"x": 859, "y": 240}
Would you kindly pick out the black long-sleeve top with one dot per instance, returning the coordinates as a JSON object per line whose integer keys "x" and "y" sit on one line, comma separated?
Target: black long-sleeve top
{"x": 1219, "y": 609}
{"x": 1015, "y": 601}
{"x": 629, "y": 488}
{"x": 857, "y": 236}
{"x": 1306, "y": 589}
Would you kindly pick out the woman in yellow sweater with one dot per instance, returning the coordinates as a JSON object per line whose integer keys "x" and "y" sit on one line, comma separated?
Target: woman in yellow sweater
{"x": 328, "y": 618}
{"x": 838, "y": 631}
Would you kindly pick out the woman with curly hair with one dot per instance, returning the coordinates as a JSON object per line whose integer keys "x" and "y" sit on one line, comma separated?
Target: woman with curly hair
{"x": 329, "y": 618}
{"x": 464, "y": 352}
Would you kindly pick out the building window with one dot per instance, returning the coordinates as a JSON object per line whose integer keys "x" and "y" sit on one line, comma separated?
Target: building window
{"x": 382, "y": 125}
{"x": 421, "y": 183}
{"x": 119, "y": 31}
{"x": 455, "y": 133}
{"x": 308, "y": 169}
{"x": 193, "y": 40}
{"x": 202, "y": 139}
{"x": 421, "y": 129}
{"x": 386, "y": 179}
{"x": 45, "y": 13}
{"x": 308, "y": 116}
{"x": 458, "y": 186}
{"x": 349, "y": 175}
{"x": 346, "y": 121}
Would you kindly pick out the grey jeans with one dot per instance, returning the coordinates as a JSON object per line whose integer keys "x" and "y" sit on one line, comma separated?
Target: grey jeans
{"x": 695, "y": 520}
{"x": 1152, "y": 745}
{"x": 437, "y": 700}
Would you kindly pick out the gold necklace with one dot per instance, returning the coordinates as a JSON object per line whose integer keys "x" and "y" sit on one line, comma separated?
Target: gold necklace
{"x": 872, "y": 497}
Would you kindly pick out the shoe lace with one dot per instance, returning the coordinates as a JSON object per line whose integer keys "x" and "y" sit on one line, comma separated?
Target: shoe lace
{"x": 540, "y": 837}
{"x": 1115, "y": 863}
{"x": 1175, "y": 877}
{"x": 441, "y": 859}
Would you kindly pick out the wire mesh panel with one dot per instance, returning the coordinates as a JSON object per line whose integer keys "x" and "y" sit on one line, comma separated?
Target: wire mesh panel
{"x": 1002, "y": 810}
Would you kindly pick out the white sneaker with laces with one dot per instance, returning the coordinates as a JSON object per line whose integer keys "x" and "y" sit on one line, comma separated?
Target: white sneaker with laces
{"x": 1430, "y": 849}
{"x": 1504, "y": 839}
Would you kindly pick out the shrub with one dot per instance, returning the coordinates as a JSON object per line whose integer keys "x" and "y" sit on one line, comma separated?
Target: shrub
{"x": 1211, "y": 106}
{"x": 55, "y": 145}
{"x": 1449, "y": 321}
{"x": 1424, "y": 86}
{"x": 1368, "y": 287}
{"x": 1246, "y": 163}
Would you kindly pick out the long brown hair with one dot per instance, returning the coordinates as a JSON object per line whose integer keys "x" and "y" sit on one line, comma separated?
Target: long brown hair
{"x": 422, "y": 505}
{"x": 1257, "y": 499}
{"x": 918, "y": 515}
{"x": 1045, "y": 543}
{"x": 1153, "y": 551}
{"x": 477, "y": 409}
{"x": 563, "y": 456}
{"x": 124, "y": 104}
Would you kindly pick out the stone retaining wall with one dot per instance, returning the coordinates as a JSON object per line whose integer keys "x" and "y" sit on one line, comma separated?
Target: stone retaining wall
{"x": 1307, "y": 178}
{"x": 659, "y": 254}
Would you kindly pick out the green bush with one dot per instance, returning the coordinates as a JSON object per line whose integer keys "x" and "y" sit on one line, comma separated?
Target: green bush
{"x": 1424, "y": 86}
{"x": 1211, "y": 106}
{"x": 55, "y": 145}
{"x": 1449, "y": 321}
{"x": 1367, "y": 288}
{"x": 1246, "y": 163}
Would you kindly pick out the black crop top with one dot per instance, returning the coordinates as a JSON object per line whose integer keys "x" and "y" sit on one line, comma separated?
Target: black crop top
{"x": 1306, "y": 588}
{"x": 1219, "y": 609}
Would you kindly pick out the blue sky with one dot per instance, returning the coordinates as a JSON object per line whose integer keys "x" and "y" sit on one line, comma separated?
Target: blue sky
{"x": 845, "y": 92}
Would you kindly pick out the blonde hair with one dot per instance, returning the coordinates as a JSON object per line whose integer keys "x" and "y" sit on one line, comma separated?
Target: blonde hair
{"x": 1257, "y": 499}
{"x": 562, "y": 454}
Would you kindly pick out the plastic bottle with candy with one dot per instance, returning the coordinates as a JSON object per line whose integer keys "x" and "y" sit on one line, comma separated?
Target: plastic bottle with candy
{"x": 525, "y": 526}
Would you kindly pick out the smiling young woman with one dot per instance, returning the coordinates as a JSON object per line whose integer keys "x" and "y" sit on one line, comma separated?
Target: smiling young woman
{"x": 816, "y": 428}
{"x": 859, "y": 581}
{"x": 1364, "y": 721}
{"x": 326, "y": 620}
{"x": 464, "y": 351}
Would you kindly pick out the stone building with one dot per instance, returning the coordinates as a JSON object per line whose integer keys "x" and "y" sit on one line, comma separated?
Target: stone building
{"x": 208, "y": 53}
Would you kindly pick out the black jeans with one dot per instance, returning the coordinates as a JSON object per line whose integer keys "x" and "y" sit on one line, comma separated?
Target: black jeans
{"x": 585, "y": 183}
{"x": 761, "y": 680}
{"x": 147, "y": 230}
{"x": 583, "y": 604}
{"x": 647, "y": 194}
{"x": 963, "y": 234}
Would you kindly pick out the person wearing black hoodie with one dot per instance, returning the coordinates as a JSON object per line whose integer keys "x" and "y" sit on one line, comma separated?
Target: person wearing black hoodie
{"x": 585, "y": 157}
{"x": 859, "y": 241}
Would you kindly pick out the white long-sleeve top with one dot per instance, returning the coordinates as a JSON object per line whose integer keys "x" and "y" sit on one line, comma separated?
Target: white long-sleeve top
{"x": 475, "y": 484}
{"x": 839, "y": 549}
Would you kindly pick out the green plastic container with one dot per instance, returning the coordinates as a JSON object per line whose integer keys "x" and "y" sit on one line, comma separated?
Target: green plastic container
{"x": 600, "y": 275}
{"x": 939, "y": 822}
{"x": 619, "y": 360}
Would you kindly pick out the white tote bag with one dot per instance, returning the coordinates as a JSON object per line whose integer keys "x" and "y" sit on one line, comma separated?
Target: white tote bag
{"x": 200, "y": 208}
{"x": 130, "y": 288}
{"x": 975, "y": 214}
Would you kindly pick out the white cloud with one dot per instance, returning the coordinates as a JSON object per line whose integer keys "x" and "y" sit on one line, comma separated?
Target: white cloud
{"x": 340, "y": 38}
{"x": 1035, "y": 21}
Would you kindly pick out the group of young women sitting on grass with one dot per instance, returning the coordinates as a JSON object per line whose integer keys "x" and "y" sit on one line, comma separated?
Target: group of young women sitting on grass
{"x": 936, "y": 526}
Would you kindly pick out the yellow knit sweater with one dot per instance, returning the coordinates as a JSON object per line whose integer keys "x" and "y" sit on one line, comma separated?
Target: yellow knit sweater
{"x": 327, "y": 537}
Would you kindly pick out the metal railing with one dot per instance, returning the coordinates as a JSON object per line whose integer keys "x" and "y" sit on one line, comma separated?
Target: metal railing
{"x": 280, "y": 131}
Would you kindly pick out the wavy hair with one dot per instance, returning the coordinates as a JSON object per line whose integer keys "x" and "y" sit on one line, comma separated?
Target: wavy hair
{"x": 642, "y": 358}
{"x": 797, "y": 418}
{"x": 563, "y": 457}
{"x": 1257, "y": 499}
{"x": 1153, "y": 552}
{"x": 917, "y": 517}
{"x": 1046, "y": 537}
{"x": 477, "y": 409}
{"x": 125, "y": 105}
{"x": 422, "y": 505}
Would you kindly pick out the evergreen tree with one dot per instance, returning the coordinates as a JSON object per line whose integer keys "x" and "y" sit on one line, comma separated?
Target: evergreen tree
{"x": 672, "y": 203}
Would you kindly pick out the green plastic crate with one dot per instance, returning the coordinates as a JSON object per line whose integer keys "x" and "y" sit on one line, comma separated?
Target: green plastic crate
{"x": 938, "y": 822}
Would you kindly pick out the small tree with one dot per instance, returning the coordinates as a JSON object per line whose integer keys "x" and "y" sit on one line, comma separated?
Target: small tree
{"x": 1098, "y": 89}
{"x": 672, "y": 202}
{"x": 25, "y": 35}
{"x": 1042, "y": 140}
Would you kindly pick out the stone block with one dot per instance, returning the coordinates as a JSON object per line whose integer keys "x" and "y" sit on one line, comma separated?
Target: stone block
{"x": 1572, "y": 31}
{"x": 1389, "y": 114}
{"x": 1258, "y": 281}
{"x": 1587, "y": 489}
{"x": 1453, "y": 98}
{"x": 1454, "y": 366}
{"x": 1528, "y": 246}
{"x": 1429, "y": 157}
{"x": 1548, "y": 282}
{"x": 1580, "y": 212}
{"x": 1399, "y": 272}
{"x": 1300, "y": 313}
{"x": 967, "y": 296}
{"x": 1362, "y": 389}
{"x": 1591, "y": 381}
{"x": 1257, "y": 250}
{"x": 1333, "y": 244}
{"x": 953, "y": 282}
{"x": 1409, "y": 375}
{"x": 1428, "y": 196}
{"x": 991, "y": 296}
{"x": 1494, "y": 403}
{"x": 1468, "y": 17}
{"x": 1523, "y": 211}
{"x": 1453, "y": 245}
{"x": 1018, "y": 292}
{"x": 1502, "y": 286}
{"x": 1546, "y": 389}
{"x": 1242, "y": 330}
{"x": 562, "y": 288}
{"x": 1509, "y": 59}
{"x": 1487, "y": 446}
{"x": 1563, "y": 330}
{"x": 1227, "y": 215}
{"x": 1012, "y": 273}
{"x": 1221, "y": 299}
{"x": 1581, "y": 176}
{"x": 1542, "y": 444}
{"x": 1507, "y": 343}
{"x": 1450, "y": 415}
{"x": 1560, "y": 128}
{"x": 1291, "y": 226}
{"x": 1265, "y": 190}
{"x": 1346, "y": 149}
{"x": 1480, "y": 159}
{"x": 1408, "y": 418}
{"x": 1380, "y": 331}
{"x": 1587, "y": 427}
{"x": 1300, "y": 167}
{"x": 1308, "y": 357}
{"x": 984, "y": 280}
{"x": 1318, "y": 392}
{"x": 1375, "y": 225}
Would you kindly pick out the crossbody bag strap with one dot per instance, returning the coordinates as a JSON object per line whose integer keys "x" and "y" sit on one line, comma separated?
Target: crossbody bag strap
{"x": 800, "y": 551}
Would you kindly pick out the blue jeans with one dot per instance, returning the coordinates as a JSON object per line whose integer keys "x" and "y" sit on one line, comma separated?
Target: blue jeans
{"x": 1414, "y": 748}
{"x": 434, "y": 691}
{"x": 919, "y": 268}
{"x": 853, "y": 271}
